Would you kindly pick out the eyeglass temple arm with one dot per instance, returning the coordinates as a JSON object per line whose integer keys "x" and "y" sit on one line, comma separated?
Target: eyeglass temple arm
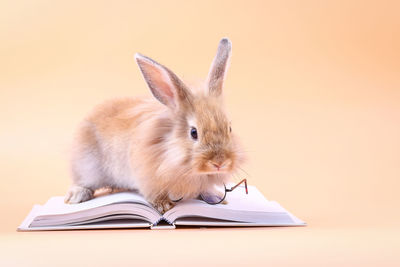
{"x": 245, "y": 185}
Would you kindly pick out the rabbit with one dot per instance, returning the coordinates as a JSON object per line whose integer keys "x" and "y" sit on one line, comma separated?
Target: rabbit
{"x": 173, "y": 146}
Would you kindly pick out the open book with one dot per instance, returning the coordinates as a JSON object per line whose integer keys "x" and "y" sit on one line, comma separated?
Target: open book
{"x": 131, "y": 210}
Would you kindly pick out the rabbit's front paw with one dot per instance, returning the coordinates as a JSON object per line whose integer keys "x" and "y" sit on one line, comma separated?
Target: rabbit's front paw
{"x": 163, "y": 205}
{"x": 77, "y": 194}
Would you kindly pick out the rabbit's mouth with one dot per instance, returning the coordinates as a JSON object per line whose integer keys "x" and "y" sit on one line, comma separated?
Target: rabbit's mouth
{"x": 215, "y": 172}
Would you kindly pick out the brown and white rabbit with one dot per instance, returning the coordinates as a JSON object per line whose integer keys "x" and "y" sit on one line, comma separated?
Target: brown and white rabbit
{"x": 179, "y": 146}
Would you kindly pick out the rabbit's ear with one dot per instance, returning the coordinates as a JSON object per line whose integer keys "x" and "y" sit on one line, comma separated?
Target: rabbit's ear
{"x": 218, "y": 68}
{"x": 163, "y": 83}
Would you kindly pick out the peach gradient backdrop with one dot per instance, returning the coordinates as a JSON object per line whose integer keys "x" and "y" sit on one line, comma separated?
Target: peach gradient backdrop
{"x": 313, "y": 91}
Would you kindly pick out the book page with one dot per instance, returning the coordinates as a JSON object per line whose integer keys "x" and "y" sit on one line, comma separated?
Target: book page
{"x": 56, "y": 205}
{"x": 251, "y": 207}
{"x": 56, "y": 212}
{"x": 237, "y": 200}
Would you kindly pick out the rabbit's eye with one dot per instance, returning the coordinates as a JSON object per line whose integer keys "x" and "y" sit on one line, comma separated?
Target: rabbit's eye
{"x": 193, "y": 133}
{"x": 230, "y": 129}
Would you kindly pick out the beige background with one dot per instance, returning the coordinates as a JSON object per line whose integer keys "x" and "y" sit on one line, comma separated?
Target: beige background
{"x": 313, "y": 91}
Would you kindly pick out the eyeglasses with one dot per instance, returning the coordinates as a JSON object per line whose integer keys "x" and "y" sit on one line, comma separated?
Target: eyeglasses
{"x": 219, "y": 194}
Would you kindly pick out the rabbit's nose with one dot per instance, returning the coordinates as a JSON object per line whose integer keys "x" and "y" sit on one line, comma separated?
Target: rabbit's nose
{"x": 219, "y": 164}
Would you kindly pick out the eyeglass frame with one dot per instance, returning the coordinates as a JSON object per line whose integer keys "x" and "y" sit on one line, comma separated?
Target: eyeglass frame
{"x": 226, "y": 191}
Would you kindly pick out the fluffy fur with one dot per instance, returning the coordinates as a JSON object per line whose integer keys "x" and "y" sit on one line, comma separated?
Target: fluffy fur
{"x": 145, "y": 144}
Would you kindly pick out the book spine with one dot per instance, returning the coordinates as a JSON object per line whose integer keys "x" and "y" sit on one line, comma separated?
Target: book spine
{"x": 162, "y": 227}
{"x": 163, "y": 219}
